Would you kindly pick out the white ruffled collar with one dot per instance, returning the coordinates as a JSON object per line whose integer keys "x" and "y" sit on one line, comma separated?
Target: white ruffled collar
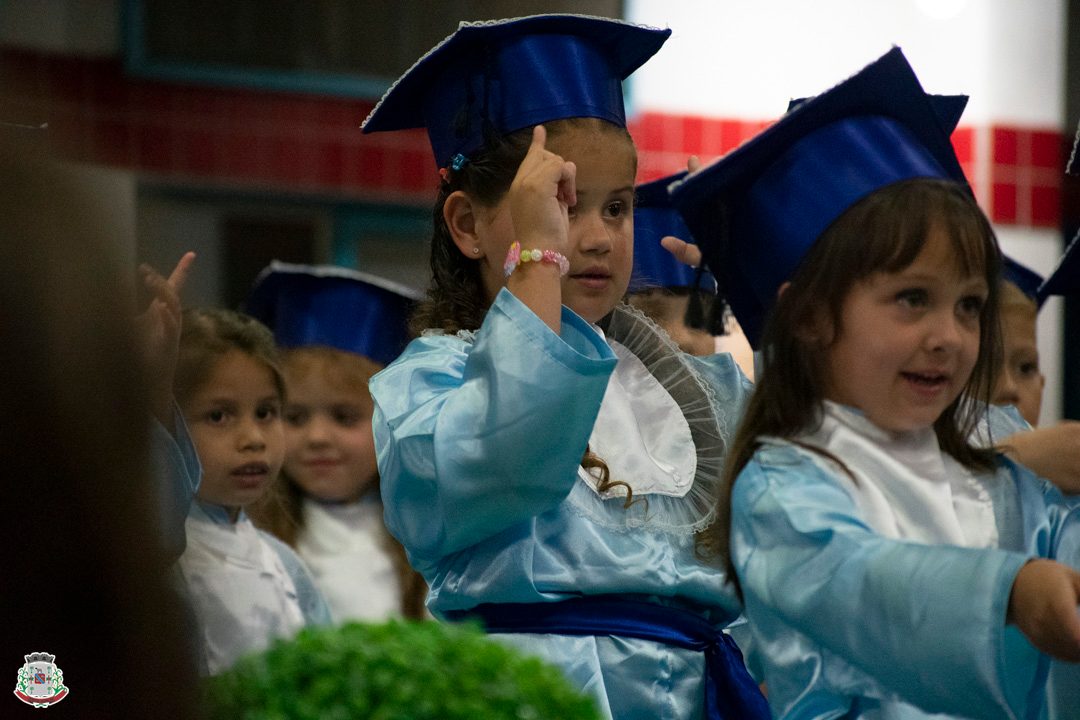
{"x": 681, "y": 405}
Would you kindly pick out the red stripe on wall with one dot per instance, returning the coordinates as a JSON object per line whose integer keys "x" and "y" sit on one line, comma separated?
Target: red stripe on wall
{"x": 312, "y": 144}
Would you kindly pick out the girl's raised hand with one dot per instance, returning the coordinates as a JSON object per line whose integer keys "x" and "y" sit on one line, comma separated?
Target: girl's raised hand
{"x": 159, "y": 331}
{"x": 1045, "y": 605}
{"x": 541, "y": 195}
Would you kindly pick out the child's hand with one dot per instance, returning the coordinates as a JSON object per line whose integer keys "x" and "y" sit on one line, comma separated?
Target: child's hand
{"x": 159, "y": 331}
{"x": 1053, "y": 452}
{"x": 541, "y": 195}
{"x": 683, "y": 251}
{"x": 1043, "y": 604}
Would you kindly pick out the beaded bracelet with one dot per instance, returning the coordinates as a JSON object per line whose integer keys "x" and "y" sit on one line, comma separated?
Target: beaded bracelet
{"x": 516, "y": 255}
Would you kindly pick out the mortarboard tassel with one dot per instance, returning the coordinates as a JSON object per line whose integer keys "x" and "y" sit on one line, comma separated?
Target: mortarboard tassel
{"x": 695, "y": 314}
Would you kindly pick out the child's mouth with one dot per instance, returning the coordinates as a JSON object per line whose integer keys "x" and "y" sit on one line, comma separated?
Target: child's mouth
{"x": 592, "y": 279}
{"x": 251, "y": 475}
{"x": 928, "y": 382}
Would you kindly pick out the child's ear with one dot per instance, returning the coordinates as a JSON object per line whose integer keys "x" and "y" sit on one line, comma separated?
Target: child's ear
{"x": 813, "y": 326}
{"x": 459, "y": 212}
{"x": 816, "y": 329}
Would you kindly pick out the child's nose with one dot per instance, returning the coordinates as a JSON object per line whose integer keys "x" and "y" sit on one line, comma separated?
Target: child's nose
{"x": 946, "y": 332}
{"x": 318, "y": 429}
{"x": 593, "y": 234}
{"x": 252, "y": 435}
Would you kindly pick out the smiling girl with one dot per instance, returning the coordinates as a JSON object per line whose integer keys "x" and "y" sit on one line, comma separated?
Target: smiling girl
{"x": 247, "y": 588}
{"x": 890, "y": 568}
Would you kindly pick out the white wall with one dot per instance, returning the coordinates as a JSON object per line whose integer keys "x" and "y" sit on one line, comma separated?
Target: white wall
{"x": 747, "y": 58}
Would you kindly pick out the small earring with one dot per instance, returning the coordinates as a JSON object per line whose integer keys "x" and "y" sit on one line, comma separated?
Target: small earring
{"x": 476, "y": 251}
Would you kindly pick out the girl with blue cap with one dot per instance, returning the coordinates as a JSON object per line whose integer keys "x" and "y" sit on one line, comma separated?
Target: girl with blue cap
{"x": 890, "y": 568}
{"x": 546, "y": 454}
{"x": 336, "y": 328}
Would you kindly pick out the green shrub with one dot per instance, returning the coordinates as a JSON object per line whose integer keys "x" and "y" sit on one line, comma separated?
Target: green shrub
{"x": 394, "y": 671}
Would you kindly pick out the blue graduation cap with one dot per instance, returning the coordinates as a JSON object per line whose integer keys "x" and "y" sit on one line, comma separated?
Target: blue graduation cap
{"x": 949, "y": 108}
{"x": 326, "y": 305}
{"x": 505, "y": 75}
{"x": 655, "y": 218}
{"x": 1024, "y": 278}
{"x": 1065, "y": 280}
{"x": 756, "y": 211}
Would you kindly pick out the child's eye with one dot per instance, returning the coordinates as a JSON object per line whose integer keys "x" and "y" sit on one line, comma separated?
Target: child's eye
{"x": 913, "y": 298}
{"x": 217, "y": 417}
{"x": 616, "y": 208}
{"x": 972, "y": 305}
{"x": 346, "y": 418}
{"x": 1029, "y": 369}
{"x": 267, "y": 412}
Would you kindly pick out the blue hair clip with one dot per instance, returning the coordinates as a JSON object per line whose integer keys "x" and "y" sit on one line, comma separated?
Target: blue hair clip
{"x": 458, "y": 161}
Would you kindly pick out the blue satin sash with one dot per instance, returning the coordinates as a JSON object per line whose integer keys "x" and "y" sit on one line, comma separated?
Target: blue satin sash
{"x": 730, "y": 692}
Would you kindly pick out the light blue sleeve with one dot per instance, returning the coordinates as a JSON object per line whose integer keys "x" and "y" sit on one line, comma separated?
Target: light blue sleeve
{"x": 312, "y": 603}
{"x": 472, "y": 439}
{"x": 1063, "y": 686}
{"x": 924, "y": 622}
{"x": 176, "y": 473}
{"x": 1005, "y": 420}
{"x": 731, "y": 387}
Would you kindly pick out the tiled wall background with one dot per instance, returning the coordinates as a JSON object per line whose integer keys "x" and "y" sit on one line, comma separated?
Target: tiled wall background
{"x": 312, "y": 144}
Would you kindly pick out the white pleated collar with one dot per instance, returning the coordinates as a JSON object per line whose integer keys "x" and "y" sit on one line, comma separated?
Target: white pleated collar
{"x": 906, "y": 486}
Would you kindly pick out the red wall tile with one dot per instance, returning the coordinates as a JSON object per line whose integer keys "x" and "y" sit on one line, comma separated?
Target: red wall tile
{"x": 962, "y": 142}
{"x": 693, "y": 140}
{"x": 1005, "y": 146}
{"x": 1047, "y": 150}
{"x": 370, "y": 165}
{"x": 1046, "y": 206}
{"x": 1004, "y": 204}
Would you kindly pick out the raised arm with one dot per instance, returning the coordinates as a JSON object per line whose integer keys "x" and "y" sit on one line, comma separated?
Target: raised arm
{"x": 475, "y": 438}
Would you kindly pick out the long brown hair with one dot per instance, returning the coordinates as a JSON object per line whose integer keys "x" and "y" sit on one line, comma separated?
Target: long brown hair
{"x": 456, "y": 299}
{"x": 884, "y": 232}
{"x": 280, "y": 512}
{"x": 208, "y": 335}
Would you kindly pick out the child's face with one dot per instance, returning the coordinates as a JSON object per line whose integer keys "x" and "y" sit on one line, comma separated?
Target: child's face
{"x": 1020, "y": 382}
{"x": 909, "y": 340}
{"x": 235, "y": 422}
{"x": 601, "y": 248}
{"x": 330, "y": 451}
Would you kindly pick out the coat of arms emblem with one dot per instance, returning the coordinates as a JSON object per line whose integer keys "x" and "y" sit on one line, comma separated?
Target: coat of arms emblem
{"x": 40, "y": 683}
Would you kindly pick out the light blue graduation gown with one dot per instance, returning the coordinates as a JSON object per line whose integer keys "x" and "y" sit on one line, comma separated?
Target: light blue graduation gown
{"x": 849, "y": 622}
{"x": 176, "y": 473}
{"x": 480, "y": 440}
